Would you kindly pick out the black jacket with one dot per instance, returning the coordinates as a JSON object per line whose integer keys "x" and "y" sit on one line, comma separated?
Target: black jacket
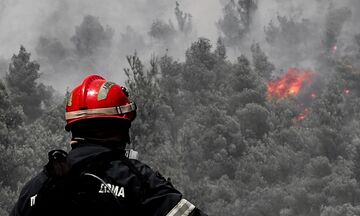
{"x": 118, "y": 186}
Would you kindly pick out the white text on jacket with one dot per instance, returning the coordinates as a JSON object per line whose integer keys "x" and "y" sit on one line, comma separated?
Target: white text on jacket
{"x": 110, "y": 188}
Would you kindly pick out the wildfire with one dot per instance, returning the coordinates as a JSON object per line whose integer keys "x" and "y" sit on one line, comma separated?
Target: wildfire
{"x": 303, "y": 114}
{"x": 290, "y": 84}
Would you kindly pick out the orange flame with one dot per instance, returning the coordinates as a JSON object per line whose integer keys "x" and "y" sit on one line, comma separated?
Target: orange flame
{"x": 303, "y": 115}
{"x": 290, "y": 84}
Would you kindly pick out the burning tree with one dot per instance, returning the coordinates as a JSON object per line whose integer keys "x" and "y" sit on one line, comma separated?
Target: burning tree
{"x": 290, "y": 84}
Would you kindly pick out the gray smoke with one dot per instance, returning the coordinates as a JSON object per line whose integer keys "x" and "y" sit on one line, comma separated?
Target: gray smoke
{"x": 72, "y": 39}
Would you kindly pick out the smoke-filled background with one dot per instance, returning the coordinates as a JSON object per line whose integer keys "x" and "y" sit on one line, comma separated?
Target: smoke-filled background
{"x": 250, "y": 106}
{"x": 95, "y": 37}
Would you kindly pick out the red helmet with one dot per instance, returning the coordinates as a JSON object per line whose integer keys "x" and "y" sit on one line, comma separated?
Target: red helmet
{"x": 97, "y": 98}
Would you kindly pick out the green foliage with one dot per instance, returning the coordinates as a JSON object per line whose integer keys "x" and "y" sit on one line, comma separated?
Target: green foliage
{"x": 6, "y": 200}
{"x": 91, "y": 37}
{"x": 162, "y": 31}
{"x": 31, "y": 125}
{"x": 261, "y": 63}
{"x": 235, "y": 23}
{"x": 293, "y": 40}
{"x": 234, "y": 151}
{"x": 220, "y": 49}
{"x": 253, "y": 118}
{"x": 342, "y": 210}
{"x": 288, "y": 31}
{"x": 168, "y": 36}
{"x": 23, "y": 87}
{"x": 183, "y": 19}
{"x": 209, "y": 124}
{"x": 334, "y": 22}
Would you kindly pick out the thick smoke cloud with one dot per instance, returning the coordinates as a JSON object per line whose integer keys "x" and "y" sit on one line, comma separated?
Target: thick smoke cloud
{"x": 48, "y": 30}
{"x": 296, "y": 33}
{"x": 71, "y": 39}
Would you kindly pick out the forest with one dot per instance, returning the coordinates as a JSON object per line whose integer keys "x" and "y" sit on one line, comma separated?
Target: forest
{"x": 235, "y": 131}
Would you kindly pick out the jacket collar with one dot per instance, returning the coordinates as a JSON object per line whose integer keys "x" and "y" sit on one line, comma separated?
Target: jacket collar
{"x": 84, "y": 151}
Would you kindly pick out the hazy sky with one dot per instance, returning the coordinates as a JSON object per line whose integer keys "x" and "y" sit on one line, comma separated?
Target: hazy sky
{"x": 23, "y": 22}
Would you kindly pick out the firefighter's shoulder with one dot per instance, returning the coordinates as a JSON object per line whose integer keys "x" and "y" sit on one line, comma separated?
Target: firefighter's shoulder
{"x": 134, "y": 168}
{"x": 163, "y": 198}
{"x": 28, "y": 194}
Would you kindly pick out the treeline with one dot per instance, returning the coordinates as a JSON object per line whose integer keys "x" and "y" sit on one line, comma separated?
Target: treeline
{"x": 31, "y": 124}
{"x": 208, "y": 123}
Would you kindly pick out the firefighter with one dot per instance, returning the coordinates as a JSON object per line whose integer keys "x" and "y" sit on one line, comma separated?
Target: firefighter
{"x": 97, "y": 177}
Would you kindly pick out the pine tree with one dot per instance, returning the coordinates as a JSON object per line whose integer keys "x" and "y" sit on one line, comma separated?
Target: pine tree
{"x": 162, "y": 31}
{"x": 11, "y": 156}
{"x": 91, "y": 37}
{"x": 183, "y": 20}
{"x": 237, "y": 20}
{"x": 335, "y": 20}
{"x": 261, "y": 64}
{"x": 23, "y": 87}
